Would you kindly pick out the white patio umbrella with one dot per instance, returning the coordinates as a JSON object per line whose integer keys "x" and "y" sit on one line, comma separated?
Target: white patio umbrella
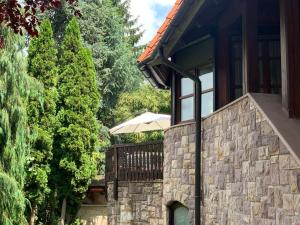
{"x": 145, "y": 122}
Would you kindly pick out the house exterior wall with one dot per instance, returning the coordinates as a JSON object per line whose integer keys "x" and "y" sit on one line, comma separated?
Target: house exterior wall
{"x": 139, "y": 203}
{"x": 248, "y": 175}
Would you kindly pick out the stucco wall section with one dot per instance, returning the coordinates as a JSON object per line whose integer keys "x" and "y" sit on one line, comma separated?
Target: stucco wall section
{"x": 249, "y": 177}
{"x": 139, "y": 203}
{"x": 93, "y": 214}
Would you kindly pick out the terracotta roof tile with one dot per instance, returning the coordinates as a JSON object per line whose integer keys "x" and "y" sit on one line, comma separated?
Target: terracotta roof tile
{"x": 155, "y": 41}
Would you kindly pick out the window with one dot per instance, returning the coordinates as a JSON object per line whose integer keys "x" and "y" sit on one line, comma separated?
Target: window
{"x": 186, "y": 99}
{"x": 236, "y": 69}
{"x": 206, "y": 76}
{"x": 187, "y": 94}
{"x": 269, "y": 66}
{"x": 179, "y": 214}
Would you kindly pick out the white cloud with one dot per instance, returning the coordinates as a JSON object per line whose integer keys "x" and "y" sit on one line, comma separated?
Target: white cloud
{"x": 145, "y": 10}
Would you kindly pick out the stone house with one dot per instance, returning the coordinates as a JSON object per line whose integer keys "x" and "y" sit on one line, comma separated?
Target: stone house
{"x": 232, "y": 153}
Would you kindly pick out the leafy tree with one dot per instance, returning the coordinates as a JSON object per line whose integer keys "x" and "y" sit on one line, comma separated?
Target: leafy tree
{"x": 131, "y": 104}
{"x": 76, "y": 139}
{"x": 104, "y": 32}
{"x": 24, "y": 16}
{"x": 14, "y": 88}
{"x": 133, "y": 30}
{"x": 144, "y": 99}
{"x": 42, "y": 65}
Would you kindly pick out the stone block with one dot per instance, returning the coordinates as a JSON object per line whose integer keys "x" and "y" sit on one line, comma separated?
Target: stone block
{"x": 288, "y": 204}
{"x": 295, "y": 181}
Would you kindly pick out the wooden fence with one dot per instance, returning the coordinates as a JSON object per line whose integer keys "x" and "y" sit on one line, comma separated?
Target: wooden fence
{"x": 134, "y": 162}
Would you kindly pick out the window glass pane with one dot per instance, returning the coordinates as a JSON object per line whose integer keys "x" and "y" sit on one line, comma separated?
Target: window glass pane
{"x": 275, "y": 70}
{"x": 238, "y": 73}
{"x": 187, "y": 109}
{"x": 181, "y": 216}
{"x": 207, "y": 103}
{"x": 237, "y": 50}
{"x": 207, "y": 78}
{"x": 274, "y": 49}
{"x": 187, "y": 86}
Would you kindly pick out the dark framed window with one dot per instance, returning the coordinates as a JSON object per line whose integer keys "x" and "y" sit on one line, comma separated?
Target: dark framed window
{"x": 186, "y": 96}
{"x": 186, "y": 99}
{"x": 206, "y": 75}
{"x": 179, "y": 214}
{"x": 236, "y": 69}
{"x": 269, "y": 65}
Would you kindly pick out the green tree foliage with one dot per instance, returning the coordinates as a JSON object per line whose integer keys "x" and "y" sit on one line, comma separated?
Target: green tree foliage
{"x": 14, "y": 85}
{"x": 133, "y": 30}
{"x": 42, "y": 65}
{"x": 76, "y": 139}
{"x": 144, "y": 99}
{"x": 104, "y": 33}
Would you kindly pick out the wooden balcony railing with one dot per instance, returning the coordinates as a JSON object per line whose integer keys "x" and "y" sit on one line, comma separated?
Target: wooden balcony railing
{"x": 134, "y": 162}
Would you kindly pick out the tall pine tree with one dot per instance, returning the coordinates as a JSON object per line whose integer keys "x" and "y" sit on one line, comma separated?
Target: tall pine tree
{"x": 13, "y": 129}
{"x": 42, "y": 65}
{"x": 77, "y": 106}
{"x": 104, "y": 32}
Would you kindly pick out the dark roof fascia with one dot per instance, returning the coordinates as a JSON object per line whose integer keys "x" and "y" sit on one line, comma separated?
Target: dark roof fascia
{"x": 179, "y": 25}
{"x": 153, "y": 59}
{"x": 168, "y": 37}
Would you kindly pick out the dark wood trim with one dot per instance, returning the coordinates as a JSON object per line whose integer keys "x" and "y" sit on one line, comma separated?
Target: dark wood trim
{"x": 290, "y": 37}
{"x": 222, "y": 68}
{"x": 231, "y": 14}
{"x": 250, "y": 47}
{"x": 173, "y": 99}
{"x": 266, "y": 68}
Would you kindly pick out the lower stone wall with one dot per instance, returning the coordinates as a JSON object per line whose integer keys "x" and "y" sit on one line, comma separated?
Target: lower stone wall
{"x": 249, "y": 177}
{"x": 139, "y": 203}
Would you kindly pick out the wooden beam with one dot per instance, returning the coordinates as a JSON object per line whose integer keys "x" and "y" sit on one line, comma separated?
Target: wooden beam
{"x": 231, "y": 14}
{"x": 222, "y": 56}
{"x": 173, "y": 99}
{"x": 289, "y": 34}
{"x": 250, "y": 47}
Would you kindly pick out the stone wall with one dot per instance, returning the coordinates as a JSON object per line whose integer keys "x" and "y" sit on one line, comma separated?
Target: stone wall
{"x": 179, "y": 169}
{"x": 249, "y": 176}
{"x": 139, "y": 203}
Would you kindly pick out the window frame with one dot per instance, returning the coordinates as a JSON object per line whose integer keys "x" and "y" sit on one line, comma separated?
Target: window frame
{"x": 265, "y": 86}
{"x": 178, "y": 98}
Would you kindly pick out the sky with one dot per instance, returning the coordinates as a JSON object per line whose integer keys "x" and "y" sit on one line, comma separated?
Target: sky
{"x": 151, "y": 14}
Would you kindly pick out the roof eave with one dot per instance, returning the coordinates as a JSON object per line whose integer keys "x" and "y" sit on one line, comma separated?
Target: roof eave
{"x": 171, "y": 36}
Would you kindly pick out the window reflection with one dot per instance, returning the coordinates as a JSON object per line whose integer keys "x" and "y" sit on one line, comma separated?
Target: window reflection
{"x": 207, "y": 103}
{"x": 181, "y": 216}
{"x": 187, "y": 86}
{"x": 187, "y": 109}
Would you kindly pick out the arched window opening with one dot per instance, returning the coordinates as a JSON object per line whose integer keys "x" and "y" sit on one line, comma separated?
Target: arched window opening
{"x": 178, "y": 214}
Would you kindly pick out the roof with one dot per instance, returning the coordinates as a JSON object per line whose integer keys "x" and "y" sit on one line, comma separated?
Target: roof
{"x": 162, "y": 30}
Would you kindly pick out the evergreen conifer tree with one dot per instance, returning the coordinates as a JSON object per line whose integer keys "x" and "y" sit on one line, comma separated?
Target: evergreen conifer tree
{"x": 42, "y": 65}
{"x": 76, "y": 139}
{"x": 13, "y": 129}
